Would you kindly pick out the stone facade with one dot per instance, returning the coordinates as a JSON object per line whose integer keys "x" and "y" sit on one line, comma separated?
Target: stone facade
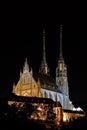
{"x": 32, "y": 85}
{"x": 27, "y": 86}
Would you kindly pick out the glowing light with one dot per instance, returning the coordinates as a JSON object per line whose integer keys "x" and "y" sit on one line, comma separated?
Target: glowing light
{"x": 64, "y": 118}
{"x": 74, "y": 109}
{"x": 77, "y": 109}
{"x": 70, "y": 102}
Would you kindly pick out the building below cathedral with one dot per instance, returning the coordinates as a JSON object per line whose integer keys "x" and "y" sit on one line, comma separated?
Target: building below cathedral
{"x": 42, "y": 86}
{"x": 34, "y": 108}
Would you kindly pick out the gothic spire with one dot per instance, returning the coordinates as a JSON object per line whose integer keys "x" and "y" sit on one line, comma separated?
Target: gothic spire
{"x": 61, "y": 51}
{"x": 26, "y": 67}
{"x": 44, "y": 53}
{"x": 44, "y": 67}
{"x": 61, "y": 70}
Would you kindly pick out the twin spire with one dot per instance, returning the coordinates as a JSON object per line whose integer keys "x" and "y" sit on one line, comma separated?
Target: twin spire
{"x": 44, "y": 67}
{"x": 44, "y": 52}
{"x": 61, "y": 51}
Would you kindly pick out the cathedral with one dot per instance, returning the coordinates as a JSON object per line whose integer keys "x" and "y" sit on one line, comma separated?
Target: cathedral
{"x": 41, "y": 84}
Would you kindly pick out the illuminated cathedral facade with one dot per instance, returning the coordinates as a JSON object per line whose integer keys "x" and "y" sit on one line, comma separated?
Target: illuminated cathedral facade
{"x": 41, "y": 84}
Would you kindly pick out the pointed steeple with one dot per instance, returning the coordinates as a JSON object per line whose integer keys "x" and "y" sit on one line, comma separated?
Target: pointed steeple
{"x": 61, "y": 51}
{"x": 61, "y": 64}
{"x": 26, "y": 67}
{"x": 44, "y": 53}
{"x": 61, "y": 59}
{"x": 61, "y": 70}
{"x": 44, "y": 67}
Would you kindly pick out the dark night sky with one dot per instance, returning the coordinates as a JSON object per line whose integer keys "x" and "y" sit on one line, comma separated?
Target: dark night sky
{"x": 27, "y": 42}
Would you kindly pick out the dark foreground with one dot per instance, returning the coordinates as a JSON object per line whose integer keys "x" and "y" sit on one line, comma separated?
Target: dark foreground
{"x": 10, "y": 123}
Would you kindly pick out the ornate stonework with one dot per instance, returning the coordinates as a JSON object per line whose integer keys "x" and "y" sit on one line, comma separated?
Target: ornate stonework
{"x": 26, "y": 85}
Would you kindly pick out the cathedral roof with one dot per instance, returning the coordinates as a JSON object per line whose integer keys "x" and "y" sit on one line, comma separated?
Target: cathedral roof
{"x": 46, "y": 81}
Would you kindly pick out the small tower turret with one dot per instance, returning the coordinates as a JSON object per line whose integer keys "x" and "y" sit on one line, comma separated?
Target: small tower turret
{"x": 26, "y": 67}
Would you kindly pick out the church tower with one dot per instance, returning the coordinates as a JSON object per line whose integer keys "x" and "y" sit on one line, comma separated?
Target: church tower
{"x": 44, "y": 67}
{"x": 61, "y": 71}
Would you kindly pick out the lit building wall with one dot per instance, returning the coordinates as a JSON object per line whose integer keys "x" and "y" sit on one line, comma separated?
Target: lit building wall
{"x": 70, "y": 116}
